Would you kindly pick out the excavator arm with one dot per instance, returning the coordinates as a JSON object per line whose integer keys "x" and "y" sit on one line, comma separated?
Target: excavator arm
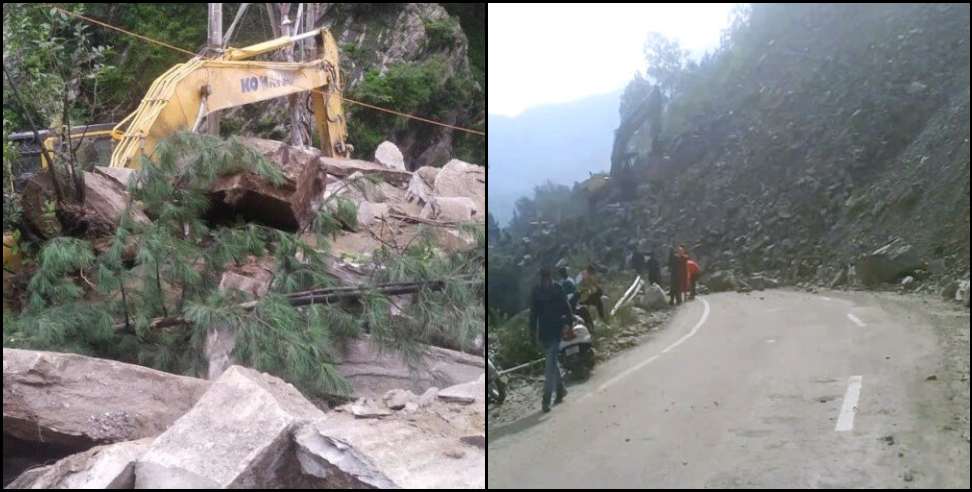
{"x": 183, "y": 95}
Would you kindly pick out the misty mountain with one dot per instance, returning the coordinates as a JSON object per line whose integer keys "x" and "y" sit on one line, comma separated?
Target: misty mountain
{"x": 562, "y": 143}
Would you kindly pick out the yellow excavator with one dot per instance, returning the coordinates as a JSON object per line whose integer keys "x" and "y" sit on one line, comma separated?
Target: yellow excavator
{"x": 180, "y": 98}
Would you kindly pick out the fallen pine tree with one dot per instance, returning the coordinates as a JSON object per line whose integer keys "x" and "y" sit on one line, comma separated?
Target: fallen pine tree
{"x": 114, "y": 301}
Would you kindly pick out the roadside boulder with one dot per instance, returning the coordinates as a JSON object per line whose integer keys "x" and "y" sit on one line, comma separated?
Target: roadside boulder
{"x": 888, "y": 263}
{"x": 962, "y": 293}
{"x": 73, "y": 400}
{"x": 237, "y": 435}
{"x": 653, "y": 297}
{"x": 722, "y": 281}
{"x": 110, "y": 466}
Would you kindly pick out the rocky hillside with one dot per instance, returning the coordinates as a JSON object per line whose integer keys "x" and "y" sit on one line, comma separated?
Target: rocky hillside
{"x": 816, "y": 135}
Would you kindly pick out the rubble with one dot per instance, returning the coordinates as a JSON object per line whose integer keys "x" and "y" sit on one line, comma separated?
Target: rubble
{"x": 246, "y": 447}
{"x": 388, "y": 155}
{"x": 52, "y": 398}
{"x": 367, "y": 408}
{"x": 102, "y": 467}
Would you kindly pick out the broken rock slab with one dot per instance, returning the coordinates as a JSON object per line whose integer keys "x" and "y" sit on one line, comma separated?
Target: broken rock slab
{"x": 73, "y": 400}
{"x": 110, "y": 466}
{"x": 346, "y": 167}
{"x": 388, "y": 155}
{"x": 237, "y": 435}
{"x": 465, "y": 393}
{"x": 337, "y": 461}
{"x": 373, "y": 372}
{"x": 451, "y": 209}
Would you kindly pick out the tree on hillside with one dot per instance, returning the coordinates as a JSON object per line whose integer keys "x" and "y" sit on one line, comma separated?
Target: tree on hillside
{"x": 665, "y": 60}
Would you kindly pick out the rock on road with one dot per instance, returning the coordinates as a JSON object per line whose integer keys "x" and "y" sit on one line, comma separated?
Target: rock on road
{"x": 753, "y": 399}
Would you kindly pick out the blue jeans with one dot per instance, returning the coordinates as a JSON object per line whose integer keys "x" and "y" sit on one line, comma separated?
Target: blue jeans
{"x": 552, "y": 378}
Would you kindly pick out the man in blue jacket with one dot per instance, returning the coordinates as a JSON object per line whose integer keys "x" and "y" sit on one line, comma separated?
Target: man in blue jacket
{"x": 549, "y": 316}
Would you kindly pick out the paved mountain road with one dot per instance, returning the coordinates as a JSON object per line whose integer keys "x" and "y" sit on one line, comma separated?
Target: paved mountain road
{"x": 749, "y": 391}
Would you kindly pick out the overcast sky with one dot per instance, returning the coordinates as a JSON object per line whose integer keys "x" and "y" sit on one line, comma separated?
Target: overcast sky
{"x": 547, "y": 53}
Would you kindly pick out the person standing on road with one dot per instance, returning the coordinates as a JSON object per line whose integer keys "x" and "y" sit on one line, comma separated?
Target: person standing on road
{"x": 654, "y": 270}
{"x": 549, "y": 313}
{"x": 676, "y": 276}
{"x": 570, "y": 289}
{"x": 692, "y": 272}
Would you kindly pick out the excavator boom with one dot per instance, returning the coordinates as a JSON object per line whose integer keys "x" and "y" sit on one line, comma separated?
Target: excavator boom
{"x": 184, "y": 94}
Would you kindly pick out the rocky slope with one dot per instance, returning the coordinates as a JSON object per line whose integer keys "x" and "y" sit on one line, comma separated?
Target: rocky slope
{"x": 820, "y": 134}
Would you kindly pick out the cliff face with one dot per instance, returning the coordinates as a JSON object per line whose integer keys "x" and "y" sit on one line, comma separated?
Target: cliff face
{"x": 408, "y": 57}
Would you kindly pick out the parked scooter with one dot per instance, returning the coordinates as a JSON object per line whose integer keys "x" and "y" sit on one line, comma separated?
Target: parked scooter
{"x": 496, "y": 385}
{"x": 496, "y": 389}
{"x": 577, "y": 351}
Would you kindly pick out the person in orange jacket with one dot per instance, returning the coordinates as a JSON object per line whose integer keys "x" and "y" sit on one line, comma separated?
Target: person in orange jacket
{"x": 692, "y": 271}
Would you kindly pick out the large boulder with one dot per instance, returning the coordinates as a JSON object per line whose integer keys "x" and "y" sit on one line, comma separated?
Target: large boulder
{"x": 388, "y": 155}
{"x": 459, "y": 178}
{"x": 374, "y": 372}
{"x": 653, "y": 297}
{"x": 722, "y": 281}
{"x": 78, "y": 401}
{"x": 420, "y": 186}
{"x": 111, "y": 466}
{"x": 105, "y": 200}
{"x": 237, "y": 435}
{"x": 888, "y": 263}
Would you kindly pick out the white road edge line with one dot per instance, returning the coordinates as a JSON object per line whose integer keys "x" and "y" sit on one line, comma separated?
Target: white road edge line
{"x": 705, "y": 316}
{"x": 856, "y": 321}
{"x": 846, "y": 420}
{"x": 826, "y": 298}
